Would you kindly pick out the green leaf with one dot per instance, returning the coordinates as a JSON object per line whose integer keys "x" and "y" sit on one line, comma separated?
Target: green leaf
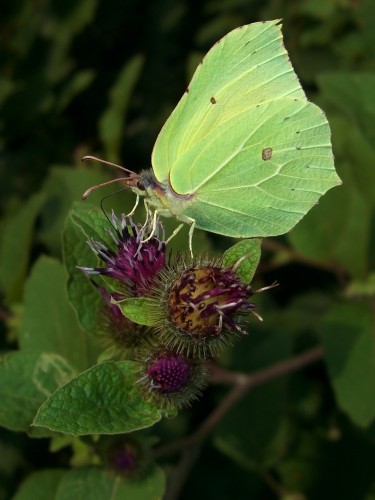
{"x": 347, "y": 332}
{"x": 250, "y": 251}
{"x": 330, "y": 239}
{"x": 355, "y": 155}
{"x": 75, "y": 85}
{"x": 364, "y": 17}
{"x": 364, "y": 288}
{"x": 92, "y": 483}
{"x": 6, "y": 88}
{"x": 91, "y": 220}
{"x": 316, "y": 462}
{"x": 84, "y": 296}
{"x": 15, "y": 247}
{"x": 42, "y": 485}
{"x": 64, "y": 186}
{"x": 14, "y": 322}
{"x": 49, "y": 322}
{"x": 354, "y": 95}
{"x": 65, "y": 28}
{"x": 26, "y": 380}
{"x": 139, "y": 310}
{"x": 112, "y": 122}
{"x": 102, "y": 400}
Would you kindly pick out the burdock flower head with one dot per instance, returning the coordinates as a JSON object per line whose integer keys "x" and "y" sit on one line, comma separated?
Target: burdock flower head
{"x": 137, "y": 258}
{"x": 170, "y": 379}
{"x": 201, "y": 307}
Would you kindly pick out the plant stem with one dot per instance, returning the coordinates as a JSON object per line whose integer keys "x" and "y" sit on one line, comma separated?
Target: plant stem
{"x": 332, "y": 267}
{"x": 242, "y": 384}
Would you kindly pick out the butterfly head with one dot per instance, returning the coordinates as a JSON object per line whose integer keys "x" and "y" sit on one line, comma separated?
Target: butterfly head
{"x": 132, "y": 180}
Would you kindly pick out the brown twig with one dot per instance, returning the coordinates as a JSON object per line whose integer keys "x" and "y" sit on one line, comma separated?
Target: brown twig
{"x": 181, "y": 472}
{"x": 295, "y": 256}
{"x": 242, "y": 384}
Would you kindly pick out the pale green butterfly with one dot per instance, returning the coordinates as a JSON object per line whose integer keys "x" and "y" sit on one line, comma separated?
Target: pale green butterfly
{"x": 244, "y": 153}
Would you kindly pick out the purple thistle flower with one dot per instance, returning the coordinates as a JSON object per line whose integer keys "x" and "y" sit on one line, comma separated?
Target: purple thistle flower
{"x": 135, "y": 261}
{"x": 170, "y": 379}
{"x": 169, "y": 373}
{"x": 204, "y": 300}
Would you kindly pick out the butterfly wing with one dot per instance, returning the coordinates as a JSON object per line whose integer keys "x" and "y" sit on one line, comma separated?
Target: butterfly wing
{"x": 248, "y": 66}
{"x": 267, "y": 167}
{"x": 253, "y": 154}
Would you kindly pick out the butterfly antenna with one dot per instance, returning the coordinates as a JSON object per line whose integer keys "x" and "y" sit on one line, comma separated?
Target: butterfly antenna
{"x": 131, "y": 180}
{"x": 105, "y": 162}
{"x": 93, "y": 188}
{"x": 102, "y": 207}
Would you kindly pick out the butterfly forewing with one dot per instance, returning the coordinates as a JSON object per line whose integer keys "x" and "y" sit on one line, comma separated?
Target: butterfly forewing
{"x": 247, "y": 67}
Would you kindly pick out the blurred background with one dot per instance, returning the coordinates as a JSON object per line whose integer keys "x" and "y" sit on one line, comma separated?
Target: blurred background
{"x": 101, "y": 77}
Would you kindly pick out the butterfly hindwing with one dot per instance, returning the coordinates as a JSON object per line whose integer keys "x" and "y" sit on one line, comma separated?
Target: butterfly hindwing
{"x": 246, "y": 193}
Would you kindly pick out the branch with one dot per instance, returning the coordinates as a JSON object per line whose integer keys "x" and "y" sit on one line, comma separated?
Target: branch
{"x": 242, "y": 384}
{"x": 181, "y": 472}
{"x": 332, "y": 267}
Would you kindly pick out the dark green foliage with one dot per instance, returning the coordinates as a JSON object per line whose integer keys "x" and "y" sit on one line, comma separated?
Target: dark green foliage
{"x": 94, "y": 77}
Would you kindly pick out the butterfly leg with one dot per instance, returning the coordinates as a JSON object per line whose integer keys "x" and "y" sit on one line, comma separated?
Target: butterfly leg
{"x": 177, "y": 230}
{"x": 148, "y": 211}
{"x": 153, "y": 227}
{"x": 134, "y": 208}
{"x": 191, "y": 231}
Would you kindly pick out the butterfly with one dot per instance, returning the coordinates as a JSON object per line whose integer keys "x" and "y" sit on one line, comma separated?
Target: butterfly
{"x": 244, "y": 153}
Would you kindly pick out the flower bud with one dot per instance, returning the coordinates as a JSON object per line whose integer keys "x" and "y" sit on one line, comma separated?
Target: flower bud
{"x": 170, "y": 379}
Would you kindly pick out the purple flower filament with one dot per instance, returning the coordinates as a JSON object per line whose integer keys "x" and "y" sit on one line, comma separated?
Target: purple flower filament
{"x": 134, "y": 260}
